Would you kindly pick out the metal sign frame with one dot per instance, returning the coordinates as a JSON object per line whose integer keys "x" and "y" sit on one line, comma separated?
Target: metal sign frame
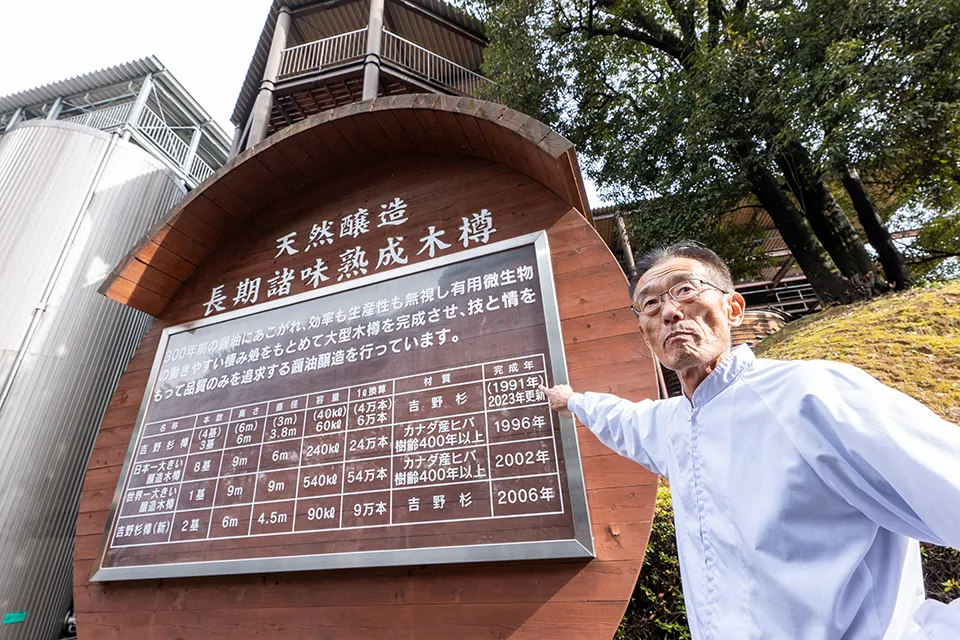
{"x": 580, "y": 546}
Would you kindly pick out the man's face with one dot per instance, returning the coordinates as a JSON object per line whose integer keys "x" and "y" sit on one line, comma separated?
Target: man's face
{"x": 687, "y": 334}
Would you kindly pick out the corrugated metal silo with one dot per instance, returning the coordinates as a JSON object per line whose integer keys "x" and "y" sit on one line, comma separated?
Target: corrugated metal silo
{"x": 73, "y": 200}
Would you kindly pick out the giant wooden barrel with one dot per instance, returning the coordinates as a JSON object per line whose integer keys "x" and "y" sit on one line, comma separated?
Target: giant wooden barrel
{"x": 284, "y": 216}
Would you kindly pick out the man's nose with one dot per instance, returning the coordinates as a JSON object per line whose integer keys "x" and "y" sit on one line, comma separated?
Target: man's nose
{"x": 670, "y": 310}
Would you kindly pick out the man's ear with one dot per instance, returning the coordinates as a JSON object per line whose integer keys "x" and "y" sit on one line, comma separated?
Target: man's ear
{"x": 645, "y": 339}
{"x": 736, "y": 309}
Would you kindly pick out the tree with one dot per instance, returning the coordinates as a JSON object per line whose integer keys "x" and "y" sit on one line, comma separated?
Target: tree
{"x": 678, "y": 100}
{"x": 653, "y": 223}
{"x": 876, "y": 85}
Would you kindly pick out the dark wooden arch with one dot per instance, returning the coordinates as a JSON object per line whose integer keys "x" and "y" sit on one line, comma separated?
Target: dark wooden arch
{"x": 334, "y": 141}
{"x": 443, "y": 151}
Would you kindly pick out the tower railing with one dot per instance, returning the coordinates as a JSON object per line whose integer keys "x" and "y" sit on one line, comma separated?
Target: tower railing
{"x": 158, "y": 132}
{"x": 200, "y": 170}
{"x": 105, "y": 118}
{"x": 154, "y": 129}
{"x": 431, "y": 66}
{"x": 314, "y": 56}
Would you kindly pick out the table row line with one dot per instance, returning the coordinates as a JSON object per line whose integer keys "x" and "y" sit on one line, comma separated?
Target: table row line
{"x": 426, "y": 382}
{"x": 459, "y": 431}
{"x": 531, "y": 495}
{"x": 497, "y": 462}
{"x": 441, "y": 403}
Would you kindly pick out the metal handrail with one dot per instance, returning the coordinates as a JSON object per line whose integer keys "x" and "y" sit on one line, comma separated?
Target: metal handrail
{"x": 430, "y": 65}
{"x": 103, "y": 119}
{"x": 200, "y": 170}
{"x": 156, "y": 130}
{"x": 153, "y": 128}
{"x": 313, "y": 56}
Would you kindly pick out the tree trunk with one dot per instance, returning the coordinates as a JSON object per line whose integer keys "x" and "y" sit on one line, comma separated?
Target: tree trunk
{"x": 829, "y": 286}
{"x": 826, "y": 217}
{"x": 894, "y": 265}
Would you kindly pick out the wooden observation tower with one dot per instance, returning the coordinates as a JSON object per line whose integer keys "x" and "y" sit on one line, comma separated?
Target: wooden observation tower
{"x": 314, "y": 56}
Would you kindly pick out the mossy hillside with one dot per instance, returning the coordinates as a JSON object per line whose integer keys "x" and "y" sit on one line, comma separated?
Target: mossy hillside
{"x": 909, "y": 341}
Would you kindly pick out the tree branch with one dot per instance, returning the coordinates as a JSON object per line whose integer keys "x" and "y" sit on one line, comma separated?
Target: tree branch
{"x": 645, "y": 28}
{"x": 939, "y": 255}
{"x": 682, "y": 11}
{"x": 668, "y": 42}
{"x": 624, "y": 95}
{"x": 716, "y": 14}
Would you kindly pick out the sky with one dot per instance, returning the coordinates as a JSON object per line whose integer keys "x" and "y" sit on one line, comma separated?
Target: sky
{"x": 205, "y": 44}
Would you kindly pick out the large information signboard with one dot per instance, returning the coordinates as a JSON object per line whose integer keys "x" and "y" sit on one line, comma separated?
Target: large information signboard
{"x": 389, "y": 421}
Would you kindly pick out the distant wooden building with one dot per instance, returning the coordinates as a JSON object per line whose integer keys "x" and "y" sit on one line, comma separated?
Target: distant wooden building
{"x": 781, "y": 287}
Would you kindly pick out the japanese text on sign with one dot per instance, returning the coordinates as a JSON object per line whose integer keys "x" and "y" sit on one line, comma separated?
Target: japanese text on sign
{"x": 347, "y": 419}
{"x": 475, "y": 229}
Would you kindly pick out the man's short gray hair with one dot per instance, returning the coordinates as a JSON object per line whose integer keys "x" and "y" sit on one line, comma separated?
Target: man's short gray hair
{"x": 717, "y": 269}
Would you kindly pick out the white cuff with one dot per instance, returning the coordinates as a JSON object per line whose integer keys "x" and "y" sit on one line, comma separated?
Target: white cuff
{"x": 572, "y": 401}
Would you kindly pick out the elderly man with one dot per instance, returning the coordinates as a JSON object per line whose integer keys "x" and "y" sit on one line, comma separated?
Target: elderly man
{"x": 799, "y": 489}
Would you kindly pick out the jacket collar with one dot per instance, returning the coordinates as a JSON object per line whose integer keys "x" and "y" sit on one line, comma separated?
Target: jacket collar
{"x": 724, "y": 375}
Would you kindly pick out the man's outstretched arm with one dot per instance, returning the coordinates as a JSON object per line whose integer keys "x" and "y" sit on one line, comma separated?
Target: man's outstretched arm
{"x": 626, "y": 427}
{"x": 884, "y": 452}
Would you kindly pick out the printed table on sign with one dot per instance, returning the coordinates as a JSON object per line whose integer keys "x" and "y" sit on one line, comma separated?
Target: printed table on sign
{"x": 430, "y": 453}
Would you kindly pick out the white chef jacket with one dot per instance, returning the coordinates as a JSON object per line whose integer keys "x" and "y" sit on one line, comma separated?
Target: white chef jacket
{"x": 799, "y": 491}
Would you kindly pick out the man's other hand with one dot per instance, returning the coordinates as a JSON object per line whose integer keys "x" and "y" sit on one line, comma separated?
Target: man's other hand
{"x": 558, "y": 395}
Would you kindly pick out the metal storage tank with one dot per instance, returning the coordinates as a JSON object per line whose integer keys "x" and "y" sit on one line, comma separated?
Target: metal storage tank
{"x": 73, "y": 199}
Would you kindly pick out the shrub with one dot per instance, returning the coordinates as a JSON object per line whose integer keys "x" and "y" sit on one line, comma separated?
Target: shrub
{"x": 656, "y": 608}
{"x": 941, "y": 572}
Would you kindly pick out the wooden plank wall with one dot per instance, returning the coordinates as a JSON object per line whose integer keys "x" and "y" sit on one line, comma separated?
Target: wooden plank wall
{"x": 353, "y": 136}
{"x": 554, "y": 600}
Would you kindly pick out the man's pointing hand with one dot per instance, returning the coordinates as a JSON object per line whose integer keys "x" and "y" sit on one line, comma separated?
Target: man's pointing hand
{"x": 558, "y": 395}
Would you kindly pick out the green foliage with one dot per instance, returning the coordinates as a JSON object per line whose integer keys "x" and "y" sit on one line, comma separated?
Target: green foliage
{"x": 668, "y": 220}
{"x": 520, "y": 60}
{"x": 877, "y": 86}
{"x": 941, "y": 572}
{"x": 934, "y": 253}
{"x": 656, "y": 610}
{"x": 677, "y": 101}
{"x": 877, "y": 83}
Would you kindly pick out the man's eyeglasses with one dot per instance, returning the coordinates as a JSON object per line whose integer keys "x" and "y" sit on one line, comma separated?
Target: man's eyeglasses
{"x": 686, "y": 291}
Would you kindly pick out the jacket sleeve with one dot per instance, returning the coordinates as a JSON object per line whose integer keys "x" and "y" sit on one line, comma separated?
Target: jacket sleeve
{"x": 626, "y": 427}
{"x": 882, "y": 451}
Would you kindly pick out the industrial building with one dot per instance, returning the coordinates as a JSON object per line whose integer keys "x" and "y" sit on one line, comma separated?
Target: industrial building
{"x": 87, "y": 166}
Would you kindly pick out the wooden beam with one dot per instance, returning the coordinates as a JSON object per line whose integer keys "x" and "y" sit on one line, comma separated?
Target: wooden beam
{"x": 476, "y": 38}
{"x": 317, "y": 7}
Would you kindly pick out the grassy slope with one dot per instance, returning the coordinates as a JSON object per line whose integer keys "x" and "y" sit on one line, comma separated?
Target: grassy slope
{"x": 909, "y": 341}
